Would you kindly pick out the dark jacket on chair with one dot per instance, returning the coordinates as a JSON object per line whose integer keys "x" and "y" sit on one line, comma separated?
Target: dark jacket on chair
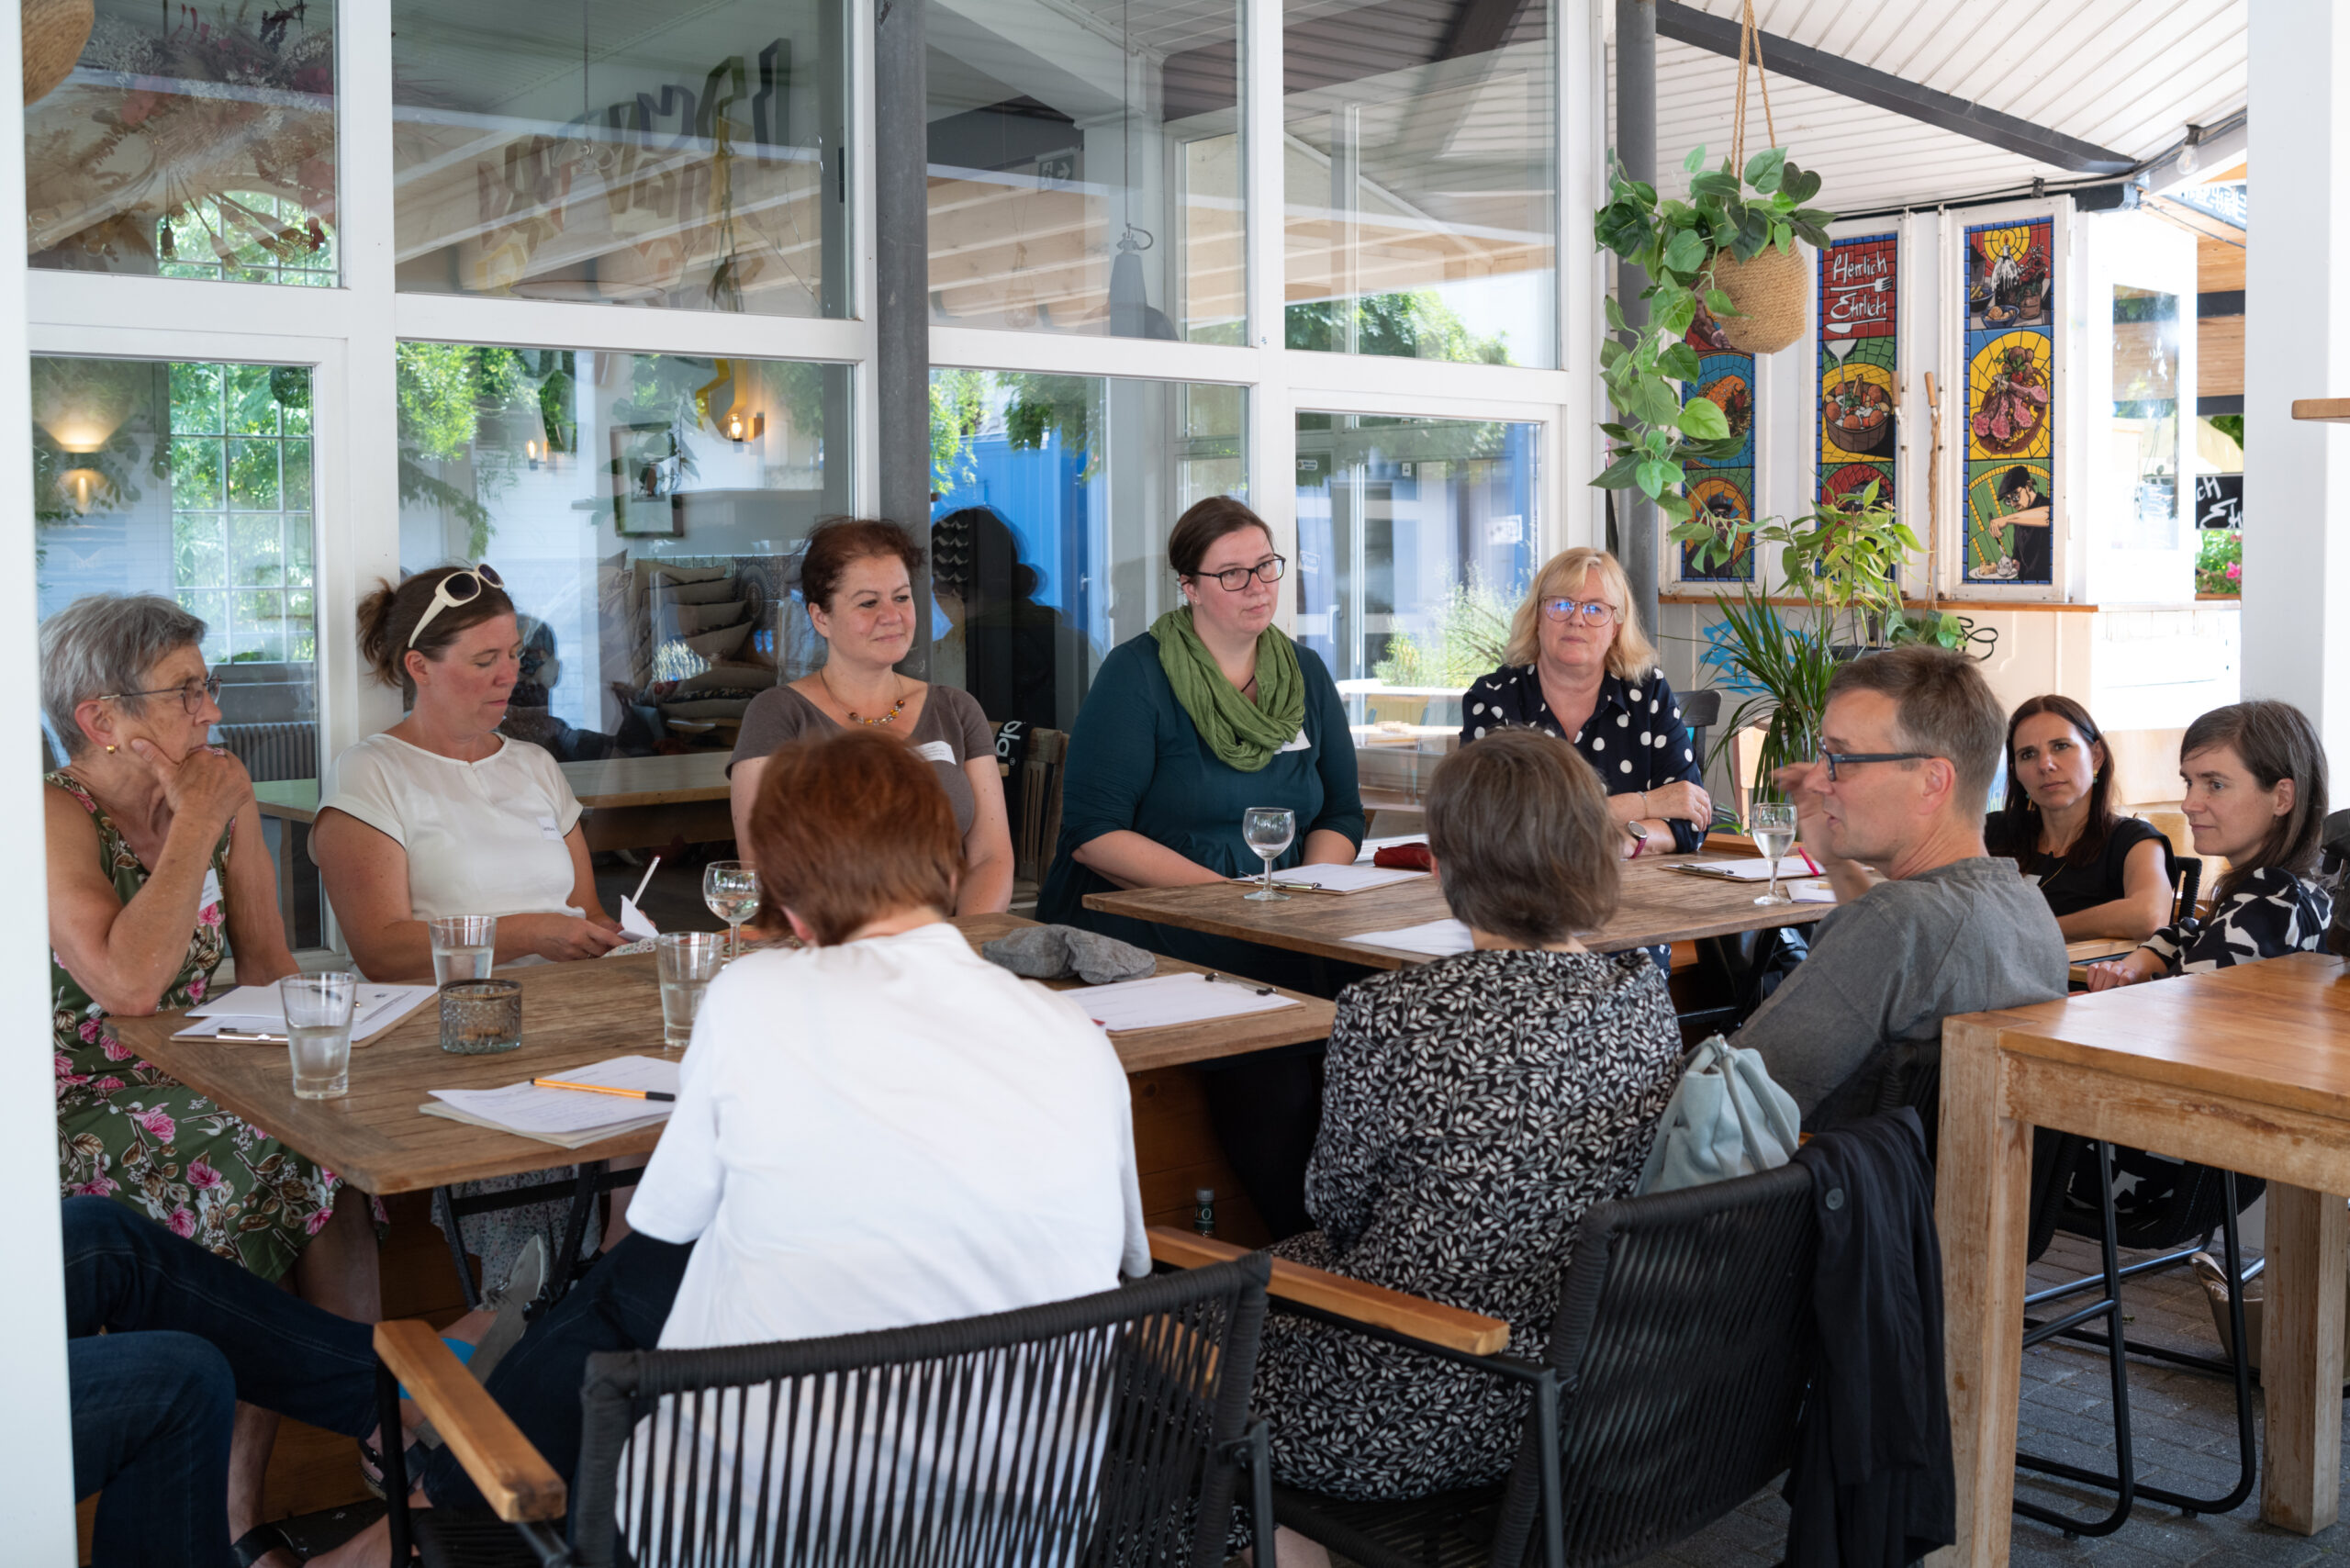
{"x": 1871, "y": 1485}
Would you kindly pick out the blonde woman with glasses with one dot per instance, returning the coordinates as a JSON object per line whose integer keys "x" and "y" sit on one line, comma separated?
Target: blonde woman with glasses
{"x": 1579, "y": 668}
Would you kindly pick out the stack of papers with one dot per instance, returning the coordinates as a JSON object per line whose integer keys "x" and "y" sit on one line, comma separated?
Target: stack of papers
{"x": 1745, "y": 870}
{"x": 258, "y": 1010}
{"x": 1438, "y": 938}
{"x": 565, "y": 1117}
{"x": 1164, "y": 1000}
{"x": 1351, "y": 878}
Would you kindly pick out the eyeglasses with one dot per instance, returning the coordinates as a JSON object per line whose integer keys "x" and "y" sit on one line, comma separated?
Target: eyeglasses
{"x": 1836, "y": 760}
{"x": 458, "y": 588}
{"x": 1594, "y": 612}
{"x": 1234, "y": 579}
{"x": 193, "y": 694}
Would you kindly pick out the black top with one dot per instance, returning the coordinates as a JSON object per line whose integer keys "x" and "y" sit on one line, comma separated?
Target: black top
{"x": 1635, "y": 739}
{"x": 2071, "y": 889}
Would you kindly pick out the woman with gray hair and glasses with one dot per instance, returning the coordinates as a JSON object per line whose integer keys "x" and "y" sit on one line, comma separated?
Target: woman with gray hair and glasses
{"x": 156, "y": 868}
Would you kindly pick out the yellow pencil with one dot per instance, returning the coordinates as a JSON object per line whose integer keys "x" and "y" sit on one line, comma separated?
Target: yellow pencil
{"x": 601, "y": 1089}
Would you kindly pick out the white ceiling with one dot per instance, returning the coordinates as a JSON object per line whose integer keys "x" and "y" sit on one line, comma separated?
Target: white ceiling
{"x": 2124, "y": 75}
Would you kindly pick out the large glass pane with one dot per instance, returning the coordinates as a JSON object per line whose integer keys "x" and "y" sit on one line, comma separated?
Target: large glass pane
{"x": 1085, "y": 168}
{"x": 667, "y": 153}
{"x": 180, "y": 144}
{"x": 1415, "y": 540}
{"x": 131, "y": 471}
{"x": 1421, "y": 175}
{"x": 2145, "y": 430}
{"x": 1055, "y": 495}
{"x": 653, "y": 554}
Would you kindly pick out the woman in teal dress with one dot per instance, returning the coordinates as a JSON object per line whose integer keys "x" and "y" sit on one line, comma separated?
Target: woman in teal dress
{"x": 1211, "y": 712}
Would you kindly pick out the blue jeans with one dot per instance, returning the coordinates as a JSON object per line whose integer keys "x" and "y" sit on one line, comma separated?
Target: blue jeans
{"x": 188, "y": 1333}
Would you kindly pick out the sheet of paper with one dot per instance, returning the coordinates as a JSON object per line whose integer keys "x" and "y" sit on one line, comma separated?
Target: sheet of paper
{"x": 1162, "y": 999}
{"x": 1811, "y": 889}
{"x": 1354, "y": 879}
{"x": 1371, "y": 846}
{"x": 633, "y": 922}
{"x": 377, "y": 1008}
{"x": 1746, "y": 870}
{"x": 525, "y": 1108}
{"x": 1438, "y": 939}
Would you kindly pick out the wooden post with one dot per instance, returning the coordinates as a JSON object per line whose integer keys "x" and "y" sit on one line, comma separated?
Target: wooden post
{"x": 2308, "y": 1243}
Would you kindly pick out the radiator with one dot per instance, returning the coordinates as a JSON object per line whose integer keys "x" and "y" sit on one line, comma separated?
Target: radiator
{"x": 285, "y": 749}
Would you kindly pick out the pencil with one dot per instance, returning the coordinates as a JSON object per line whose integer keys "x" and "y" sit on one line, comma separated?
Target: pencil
{"x": 1807, "y": 860}
{"x": 601, "y": 1089}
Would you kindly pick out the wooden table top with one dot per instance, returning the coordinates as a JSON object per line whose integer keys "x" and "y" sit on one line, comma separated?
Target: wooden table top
{"x": 613, "y": 781}
{"x": 2275, "y": 1033}
{"x": 1660, "y": 904}
{"x": 573, "y": 1015}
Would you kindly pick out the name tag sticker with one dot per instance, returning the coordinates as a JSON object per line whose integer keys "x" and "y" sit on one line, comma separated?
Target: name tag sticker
{"x": 1299, "y": 742}
{"x": 211, "y": 894}
{"x": 547, "y": 828}
{"x": 936, "y": 751}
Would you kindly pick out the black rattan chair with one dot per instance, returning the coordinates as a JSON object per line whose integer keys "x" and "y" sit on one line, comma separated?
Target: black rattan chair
{"x": 1109, "y": 1429}
{"x": 1668, "y": 1393}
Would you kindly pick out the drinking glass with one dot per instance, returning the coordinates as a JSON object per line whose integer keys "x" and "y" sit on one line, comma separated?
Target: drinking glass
{"x": 1775, "y": 834}
{"x": 317, "y": 1031}
{"x": 689, "y": 960}
{"x": 1269, "y": 830}
{"x": 481, "y": 1018}
{"x": 731, "y": 888}
{"x": 464, "y": 946}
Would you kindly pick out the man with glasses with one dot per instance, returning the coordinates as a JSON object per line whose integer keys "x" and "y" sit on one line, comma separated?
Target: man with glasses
{"x": 1928, "y": 923}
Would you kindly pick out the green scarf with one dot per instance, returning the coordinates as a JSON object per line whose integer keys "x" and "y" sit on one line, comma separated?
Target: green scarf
{"x": 1244, "y": 735}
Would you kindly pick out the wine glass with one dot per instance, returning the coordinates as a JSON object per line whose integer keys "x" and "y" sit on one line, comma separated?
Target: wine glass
{"x": 731, "y": 888}
{"x": 1269, "y": 830}
{"x": 1775, "y": 834}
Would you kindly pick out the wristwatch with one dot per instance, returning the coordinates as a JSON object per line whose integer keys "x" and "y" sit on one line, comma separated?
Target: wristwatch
{"x": 1639, "y": 838}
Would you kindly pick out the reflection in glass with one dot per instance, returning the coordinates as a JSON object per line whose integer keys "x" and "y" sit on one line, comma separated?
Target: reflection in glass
{"x": 1055, "y": 494}
{"x": 1415, "y": 542}
{"x": 1085, "y": 171}
{"x": 652, "y": 558}
{"x": 1420, "y": 152}
{"x": 2145, "y": 417}
{"x": 186, "y": 145}
{"x": 663, "y": 154}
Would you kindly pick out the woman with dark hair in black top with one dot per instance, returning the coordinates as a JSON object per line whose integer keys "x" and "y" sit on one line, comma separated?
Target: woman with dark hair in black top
{"x": 2102, "y": 874}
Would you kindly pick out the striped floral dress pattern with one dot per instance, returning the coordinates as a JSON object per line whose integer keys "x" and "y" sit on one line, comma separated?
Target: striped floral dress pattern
{"x": 2273, "y": 913}
{"x": 129, "y": 1131}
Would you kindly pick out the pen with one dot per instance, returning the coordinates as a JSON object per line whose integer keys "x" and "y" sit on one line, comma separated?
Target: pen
{"x": 1807, "y": 860}
{"x": 601, "y": 1089}
{"x": 239, "y": 1035}
{"x": 1260, "y": 991}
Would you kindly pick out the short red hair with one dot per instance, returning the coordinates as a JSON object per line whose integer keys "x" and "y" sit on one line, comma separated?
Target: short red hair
{"x": 849, "y": 829}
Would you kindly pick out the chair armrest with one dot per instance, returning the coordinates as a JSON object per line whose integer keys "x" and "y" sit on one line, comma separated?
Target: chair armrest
{"x": 518, "y": 1484}
{"x": 1468, "y": 1332}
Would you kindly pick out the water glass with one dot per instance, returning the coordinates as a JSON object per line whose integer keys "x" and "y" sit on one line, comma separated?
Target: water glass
{"x": 1774, "y": 827}
{"x": 731, "y": 888}
{"x": 464, "y": 946}
{"x": 317, "y": 1031}
{"x": 689, "y": 961}
{"x": 1269, "y": 830}
{"x": 481, "y": 1018}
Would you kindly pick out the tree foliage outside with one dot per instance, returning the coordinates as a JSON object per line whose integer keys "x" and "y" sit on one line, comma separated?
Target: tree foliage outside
{"x": 1414, "y": 324}
{"x": 1470, "y": 634}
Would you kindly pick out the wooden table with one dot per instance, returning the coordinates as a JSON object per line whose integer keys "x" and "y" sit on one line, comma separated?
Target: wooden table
{"x": 2247, "y": 1068}
{"x": 1660, "y": 905}
{"x": 572, "y": 1015}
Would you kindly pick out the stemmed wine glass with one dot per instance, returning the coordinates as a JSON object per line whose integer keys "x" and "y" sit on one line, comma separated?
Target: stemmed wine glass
{"x": 731, "y": 888}
{"x": 1269, "y": 830}
{"x": 1775, "y": 834}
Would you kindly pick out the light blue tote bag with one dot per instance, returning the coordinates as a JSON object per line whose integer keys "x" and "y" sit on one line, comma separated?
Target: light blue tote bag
{"x": 1727, "y": 1119}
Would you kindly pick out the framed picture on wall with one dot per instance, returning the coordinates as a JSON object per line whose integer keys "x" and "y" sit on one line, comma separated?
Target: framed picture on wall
{"x": 644, "y": 475}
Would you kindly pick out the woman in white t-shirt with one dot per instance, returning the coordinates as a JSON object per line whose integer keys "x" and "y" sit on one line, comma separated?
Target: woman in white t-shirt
{"x": 441, "y": 814}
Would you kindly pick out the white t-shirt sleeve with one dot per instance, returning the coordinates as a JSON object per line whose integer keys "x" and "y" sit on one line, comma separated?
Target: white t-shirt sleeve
{"x": 1136, "y": 1262}
{"x": 677, "y": 1196}
{"x": 365, "y": 788}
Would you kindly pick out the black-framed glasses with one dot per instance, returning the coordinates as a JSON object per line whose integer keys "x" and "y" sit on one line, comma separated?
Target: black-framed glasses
{"x": 462, "y": 586}
{"x": 1234, "y": 579}
{"x": 1590, "y": 612}
{"x": 193, "y": 694}
{"x": 1836, "y": 760}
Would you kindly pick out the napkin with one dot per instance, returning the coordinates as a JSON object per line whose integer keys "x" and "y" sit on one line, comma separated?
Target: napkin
{"x": 634, "y": 924}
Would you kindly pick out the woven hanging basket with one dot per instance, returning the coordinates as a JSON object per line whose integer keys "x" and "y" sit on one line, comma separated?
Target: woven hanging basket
{"x": 1770, "y": 291}
{"x": 55, "y": 32}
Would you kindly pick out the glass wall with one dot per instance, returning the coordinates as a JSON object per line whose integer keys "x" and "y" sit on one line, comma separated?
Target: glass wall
{"x": 559, "y": 150}
{"x": 1415, "y": 540}
{"x": 177, "y": 143}
{"x": 647, "y": 513}
{"x": 1053, "y": 496}
{"x": 2145, "y": 419}
{"x": 1420, "y": 158}
{"x": 1085, "y": 168}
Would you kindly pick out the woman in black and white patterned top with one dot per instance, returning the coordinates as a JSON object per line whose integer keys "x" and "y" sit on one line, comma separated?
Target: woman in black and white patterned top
{"x": 1474, "y": 1109}
{"x": 2255, "y": 795}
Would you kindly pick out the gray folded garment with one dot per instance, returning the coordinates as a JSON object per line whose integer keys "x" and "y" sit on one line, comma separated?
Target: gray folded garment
{"x": 1056, "y": 952}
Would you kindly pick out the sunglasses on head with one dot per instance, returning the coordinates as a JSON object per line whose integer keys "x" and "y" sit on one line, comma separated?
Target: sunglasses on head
{"x": 461, "y": 587}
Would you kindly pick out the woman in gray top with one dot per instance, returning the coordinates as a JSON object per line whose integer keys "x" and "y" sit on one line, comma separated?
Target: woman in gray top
{"x": 856, "y": 579}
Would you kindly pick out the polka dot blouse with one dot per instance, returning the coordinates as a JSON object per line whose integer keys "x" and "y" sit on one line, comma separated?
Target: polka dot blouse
{"x": 1635, "y": 738}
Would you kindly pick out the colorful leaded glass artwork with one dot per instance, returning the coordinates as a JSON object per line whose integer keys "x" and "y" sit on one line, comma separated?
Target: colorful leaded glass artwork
{"x": 2010, "y": 402}
{"x": 1722, "y": 491}
{"x": 1859, "y": 366}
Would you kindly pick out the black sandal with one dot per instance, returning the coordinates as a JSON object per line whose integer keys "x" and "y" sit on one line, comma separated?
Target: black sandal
{"x": 371, "y": 1466}
{"x": 259, "y": 1541}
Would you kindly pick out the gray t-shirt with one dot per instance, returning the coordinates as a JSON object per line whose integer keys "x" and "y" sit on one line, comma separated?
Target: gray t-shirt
{"x": 1886, "y": 968}
{"x": 949, "y": 732}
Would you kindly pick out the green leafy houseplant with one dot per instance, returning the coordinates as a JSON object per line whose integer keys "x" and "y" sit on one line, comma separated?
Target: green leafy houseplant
{"x": 1677, "y": 244}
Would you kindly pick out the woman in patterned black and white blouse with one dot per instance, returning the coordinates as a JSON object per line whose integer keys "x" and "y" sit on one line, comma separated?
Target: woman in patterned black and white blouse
{"x": 1473, "y": 1109}
{"x": 1579, "y": 667}
{"x": 2255, "y": 795}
